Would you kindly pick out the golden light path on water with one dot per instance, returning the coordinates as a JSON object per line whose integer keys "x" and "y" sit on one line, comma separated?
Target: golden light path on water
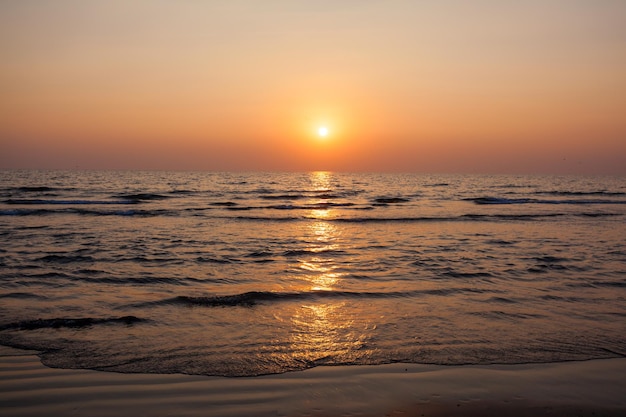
{"x": 325, "y": 236}
{"x": 324, "y": 329}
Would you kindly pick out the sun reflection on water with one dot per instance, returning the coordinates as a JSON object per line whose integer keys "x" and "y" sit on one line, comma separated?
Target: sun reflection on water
{"x": 322, "y": 334}
{"x": 320, "y": 180}
{"x": 325, "y": 249}
{"x": 323, "y": 213}
{"x": 324, "y": 238}
{"x": 323, "y": 331}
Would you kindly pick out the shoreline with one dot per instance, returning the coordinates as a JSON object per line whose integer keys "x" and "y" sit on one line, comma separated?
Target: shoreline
{"x": 587, "y": 388}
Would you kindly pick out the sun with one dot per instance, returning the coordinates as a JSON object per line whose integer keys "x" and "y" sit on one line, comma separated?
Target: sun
{"x": 322, "y": 131}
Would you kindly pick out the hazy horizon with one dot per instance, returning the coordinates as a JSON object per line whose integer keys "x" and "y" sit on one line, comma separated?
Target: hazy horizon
{"x": 314, "y": 171}
{"x": 429, "y": 87}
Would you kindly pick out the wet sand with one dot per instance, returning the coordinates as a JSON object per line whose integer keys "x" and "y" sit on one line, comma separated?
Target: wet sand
{"x": 591, "y": 388}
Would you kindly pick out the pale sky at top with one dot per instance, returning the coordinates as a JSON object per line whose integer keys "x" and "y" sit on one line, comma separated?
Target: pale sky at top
{"x": 422, "y": 86}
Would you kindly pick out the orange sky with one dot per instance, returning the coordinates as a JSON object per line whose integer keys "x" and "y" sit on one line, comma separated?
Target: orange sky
{"x": 418, "y": 86}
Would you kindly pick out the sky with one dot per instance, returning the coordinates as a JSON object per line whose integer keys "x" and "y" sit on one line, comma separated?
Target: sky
{"x": 484, "y": 86}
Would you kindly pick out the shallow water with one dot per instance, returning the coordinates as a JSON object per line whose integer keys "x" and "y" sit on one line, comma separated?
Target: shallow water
{"x": 247, "y": 274}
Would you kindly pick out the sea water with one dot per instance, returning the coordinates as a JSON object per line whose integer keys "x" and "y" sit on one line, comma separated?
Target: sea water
{"x": 240, "y": 274}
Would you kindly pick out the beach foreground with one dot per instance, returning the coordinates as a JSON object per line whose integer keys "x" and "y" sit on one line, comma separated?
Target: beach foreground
{"x": 590, "y": 388}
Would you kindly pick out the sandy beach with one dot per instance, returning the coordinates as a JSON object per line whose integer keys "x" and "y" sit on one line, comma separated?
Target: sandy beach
{"x": 591, "y": 388}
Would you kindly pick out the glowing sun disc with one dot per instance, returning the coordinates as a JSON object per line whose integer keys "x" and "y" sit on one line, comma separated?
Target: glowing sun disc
{"x": 322, "y": 131}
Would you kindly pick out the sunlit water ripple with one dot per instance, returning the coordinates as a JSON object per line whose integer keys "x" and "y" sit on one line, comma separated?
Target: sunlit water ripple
{"x": 247, "y": 274}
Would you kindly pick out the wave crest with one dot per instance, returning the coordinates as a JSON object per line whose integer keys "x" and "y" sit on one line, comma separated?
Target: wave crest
{"x": 57, "y": 323}
{"x": 253, "y": 298}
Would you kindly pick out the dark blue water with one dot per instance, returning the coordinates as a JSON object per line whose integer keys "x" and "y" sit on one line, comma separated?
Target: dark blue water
{"x": 246, "y": 274}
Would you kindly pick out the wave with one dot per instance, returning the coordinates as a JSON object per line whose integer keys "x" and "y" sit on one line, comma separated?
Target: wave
{"x": 456, "y": 274}
{"x": 298, "y": 194}
{"x": 364, "y": 220}
{"x": 26, "y": 202}
{"x": 583, "y": 193}
{"x": 139, "y": 280}
{"x": 426, "y": 219}
{"x": 464, "y": 217}
{"x": 87, "y": 212}
{"x": 23, "y": 296}
{"x": 183, "y": 192}
{"x": 393, "y": 219}
{"x": 259, "y": 254}
{"x": 263, "y": 218}
{"x": 48, "y": 275}
{"x": 25, "y": 212}
{"x": 496, "y": 200}
{"x": 57, "y": 323}
{"x": 141, "y": 196}
{"x": 149, "y": 260}
{"x": 391, "y": 200}
{"x": 316, "y": 206}
{"x": 282, "y": 196}
{"x": 203, "y": 259}
{"x": 65, "y": 259}
{"x": 327, "y": 196}
{"x": 503, "y": 315}
{"x": 253, "y": 298}
{"x": 304, "y": 252}
{"x": 328, "y": 204}
{"x": 499, "y": 200}
{"x": 36, "y": 189}
{"x": 321, "y": 195}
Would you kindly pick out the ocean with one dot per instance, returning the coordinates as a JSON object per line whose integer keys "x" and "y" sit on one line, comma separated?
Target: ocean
{"x": 243, "y": 274}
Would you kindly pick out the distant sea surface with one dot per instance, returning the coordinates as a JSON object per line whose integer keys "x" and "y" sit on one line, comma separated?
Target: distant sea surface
{"x": 246, "y": 274}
